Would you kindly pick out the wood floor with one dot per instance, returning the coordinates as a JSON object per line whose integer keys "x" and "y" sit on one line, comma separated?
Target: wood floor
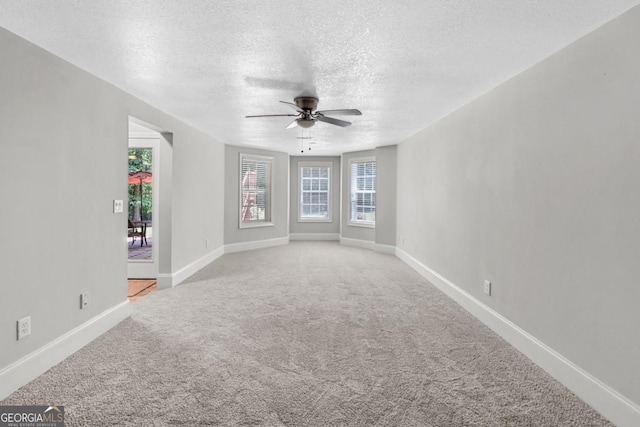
{"x": 137, "y": 288}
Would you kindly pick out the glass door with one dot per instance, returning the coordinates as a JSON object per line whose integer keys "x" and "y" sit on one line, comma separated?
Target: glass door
{"x": 142, "y": 208}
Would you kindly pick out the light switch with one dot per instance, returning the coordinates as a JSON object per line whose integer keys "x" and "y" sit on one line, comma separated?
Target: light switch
{"x": 84, "y": 300}
{"x": 487, "y": 287}
{"x": 118, "y": 206}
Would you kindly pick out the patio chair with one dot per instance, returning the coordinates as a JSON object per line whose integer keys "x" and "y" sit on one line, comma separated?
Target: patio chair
{"x": 136, "y": 230}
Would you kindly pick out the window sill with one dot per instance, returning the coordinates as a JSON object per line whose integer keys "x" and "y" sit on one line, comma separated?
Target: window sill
{"x": 361, "y": 224}
{"x": 255, "y": 224}
{"x": 314, "y": 220}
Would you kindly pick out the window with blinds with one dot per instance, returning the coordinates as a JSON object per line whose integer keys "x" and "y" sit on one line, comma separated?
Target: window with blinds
{"x": 255, "y": 190}
{"x": 314, "y": 195}
{"x": 363, "y": 192}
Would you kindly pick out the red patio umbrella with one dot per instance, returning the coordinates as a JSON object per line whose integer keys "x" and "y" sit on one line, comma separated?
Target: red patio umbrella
{"x": 138, "y": 177}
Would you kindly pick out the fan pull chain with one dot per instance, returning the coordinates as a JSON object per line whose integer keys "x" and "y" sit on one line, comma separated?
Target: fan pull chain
{"x": 302, "y": 141}
{"x": 302, "y": 137}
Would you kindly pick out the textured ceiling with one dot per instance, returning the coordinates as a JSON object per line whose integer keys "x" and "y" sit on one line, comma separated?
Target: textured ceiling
{"x": 403, "y": 63}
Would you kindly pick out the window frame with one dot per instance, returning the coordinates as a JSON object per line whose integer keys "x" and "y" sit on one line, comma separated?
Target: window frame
{"x": 305, "y": 164}
{"x": 267, "y": 222}
{"x": 350, "y": 221}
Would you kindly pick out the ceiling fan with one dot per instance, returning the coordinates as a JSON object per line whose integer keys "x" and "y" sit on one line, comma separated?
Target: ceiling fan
{"x": 307, "y": 114}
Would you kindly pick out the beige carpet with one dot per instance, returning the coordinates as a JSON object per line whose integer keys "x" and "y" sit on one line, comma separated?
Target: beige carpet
{"x": 309, "y": 334}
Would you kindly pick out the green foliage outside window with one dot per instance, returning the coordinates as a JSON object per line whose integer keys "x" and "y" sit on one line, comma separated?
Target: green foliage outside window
{"x": 140, "y": 159}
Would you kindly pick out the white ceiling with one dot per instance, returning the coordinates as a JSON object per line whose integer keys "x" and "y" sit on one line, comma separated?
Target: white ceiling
{"x": 403, "y": 63}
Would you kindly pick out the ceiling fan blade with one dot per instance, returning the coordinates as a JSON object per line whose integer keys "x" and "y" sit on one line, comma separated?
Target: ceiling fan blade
{"x": 292, "y": 124}
{"x": 333, "y": 121}
{"x": 273, "y": 115}
{"x": 294, "y": 106}
{"x": 347, "y": 112}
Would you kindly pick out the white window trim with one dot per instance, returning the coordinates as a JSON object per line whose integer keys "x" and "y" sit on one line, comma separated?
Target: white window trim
{"x": 255, "y": 224}
{"x": 302, "y": 164}
{"x": 365, "y": 224}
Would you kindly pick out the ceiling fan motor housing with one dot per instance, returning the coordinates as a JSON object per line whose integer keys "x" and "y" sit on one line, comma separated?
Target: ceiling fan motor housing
{"x": 307, "y": 103}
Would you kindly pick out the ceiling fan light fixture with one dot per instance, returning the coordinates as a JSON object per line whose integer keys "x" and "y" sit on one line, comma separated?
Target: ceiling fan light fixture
{"x": 305, "y": 123}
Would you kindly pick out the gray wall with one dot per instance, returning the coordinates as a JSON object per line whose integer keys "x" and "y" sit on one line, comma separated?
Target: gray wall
{"x": 198, "y": 189}
{"x": 384, "y": 232}
{"x": 534, "y": 186}
{"x": 64, "y": 136}
{"x": 279, "y": 202}
{"x": 315, "y": 227}
{"x": 386, "y": 189}
{"x": 353, "y": 231}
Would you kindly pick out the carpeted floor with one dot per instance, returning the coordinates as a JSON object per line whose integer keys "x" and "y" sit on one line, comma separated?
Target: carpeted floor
{"x": 308, "y": 334}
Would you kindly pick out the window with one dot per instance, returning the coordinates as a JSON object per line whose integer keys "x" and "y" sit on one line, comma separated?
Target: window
{"x": 363, "y": 192}
{"x": 255, "y": 190}
{"x": 314, "y": 192}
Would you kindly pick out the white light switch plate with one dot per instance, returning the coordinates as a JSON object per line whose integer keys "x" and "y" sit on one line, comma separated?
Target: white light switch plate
{"x": 487, "y": 287}
{"x": 118, "y": 206}
{"x": 84, "y": 300}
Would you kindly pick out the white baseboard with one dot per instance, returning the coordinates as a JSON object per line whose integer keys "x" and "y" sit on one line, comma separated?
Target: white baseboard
{"x": 166, "y": 281}
{"x": 314, "y": 236}
{"x": 385, "y": 249}
{"x": 367, "y": 244}
{"x": 612, "y": 405}
{"x": 357, "y": 243}
{"x": 256, "y": 244}
{"x": 38, "y": 362}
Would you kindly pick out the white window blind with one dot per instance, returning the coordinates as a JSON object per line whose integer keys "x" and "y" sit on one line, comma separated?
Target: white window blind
{"x": 255, "y": 190}
{"x": 363, "y": 192}
{"x": 315, "y": 186}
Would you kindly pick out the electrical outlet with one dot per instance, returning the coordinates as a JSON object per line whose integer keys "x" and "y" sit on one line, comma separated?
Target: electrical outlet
{"x": 487, "y": 287}
{"x": 118, "y": 206}
{"x": 24, "y": 327}
{"x": 206, "y": 243}
{"x": 84, "y": 300}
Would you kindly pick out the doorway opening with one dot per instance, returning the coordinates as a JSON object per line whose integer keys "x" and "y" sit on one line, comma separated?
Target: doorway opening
{"x": 140, "y": 204}
{"x": 150, "y": 176}
{"x": 143, "y": 228}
